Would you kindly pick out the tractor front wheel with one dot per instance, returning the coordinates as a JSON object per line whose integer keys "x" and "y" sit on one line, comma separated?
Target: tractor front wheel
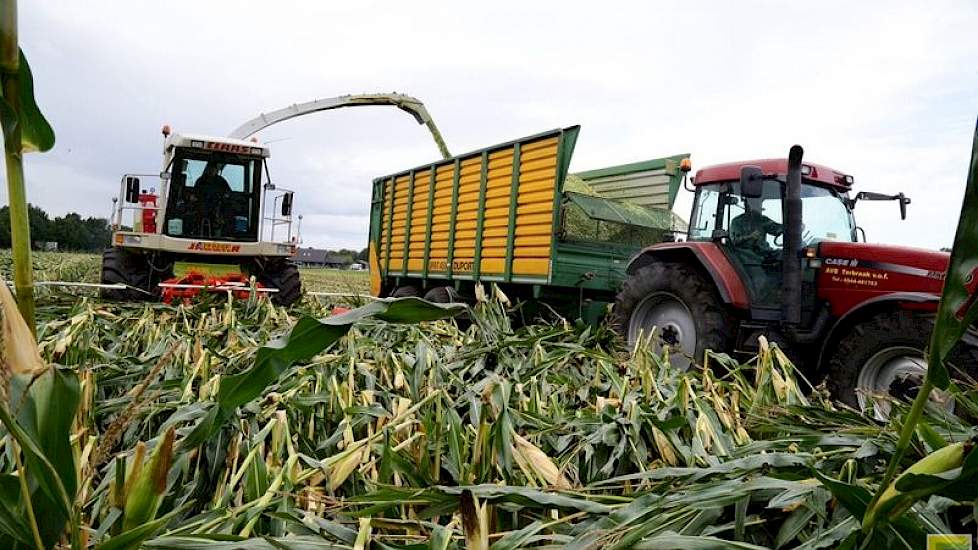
{"x": 684, "y": 309}
{"x": 281, "y": 274}
{"x": 883, "y": 357}
{"x": 120, "y": 266}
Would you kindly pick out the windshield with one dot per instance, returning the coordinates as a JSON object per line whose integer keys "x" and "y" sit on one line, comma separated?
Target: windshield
{"x": 213, "y": 196}
{"x": 824, "y": 212}
{"x": 825, "y": 215}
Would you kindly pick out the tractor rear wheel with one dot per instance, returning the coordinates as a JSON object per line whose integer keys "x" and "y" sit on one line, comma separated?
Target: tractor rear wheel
{"x": 683, "y": 307}
{"x": 408, "y": 291}
{"x": 442, "y": 295}
{"x": 884, "y": 355}
{"x": 120, "y": 266}
{"x": 282, "y": 274}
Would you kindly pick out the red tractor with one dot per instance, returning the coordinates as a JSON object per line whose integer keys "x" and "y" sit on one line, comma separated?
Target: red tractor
{"x": 772, "y": 250}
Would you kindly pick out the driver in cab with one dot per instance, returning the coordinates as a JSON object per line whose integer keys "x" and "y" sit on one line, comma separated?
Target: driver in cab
{"x": 212, "y": 191}
{"x": 749, "y": 231}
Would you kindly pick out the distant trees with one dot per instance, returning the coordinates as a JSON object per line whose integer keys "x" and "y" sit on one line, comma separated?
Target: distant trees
{"x": 71, "y": 231}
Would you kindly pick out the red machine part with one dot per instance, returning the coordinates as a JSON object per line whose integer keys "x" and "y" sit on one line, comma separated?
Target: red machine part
{"x": 147, "y": 200}
{"x": 189, "y": 286}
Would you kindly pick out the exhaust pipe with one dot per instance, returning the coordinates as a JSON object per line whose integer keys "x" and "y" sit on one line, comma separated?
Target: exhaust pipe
{"x": 791, "y": 211}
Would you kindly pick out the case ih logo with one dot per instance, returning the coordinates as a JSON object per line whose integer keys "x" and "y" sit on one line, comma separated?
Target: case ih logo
{"x": 226, "y": 147}
{"x": 844, "y": 262}
{"x": 214, "y": 247}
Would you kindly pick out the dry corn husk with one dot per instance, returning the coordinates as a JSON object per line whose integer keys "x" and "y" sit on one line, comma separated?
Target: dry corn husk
{"x": 538, "y": 461}
{"x": 664, "y": 446}
{"x": 20, "y": 348}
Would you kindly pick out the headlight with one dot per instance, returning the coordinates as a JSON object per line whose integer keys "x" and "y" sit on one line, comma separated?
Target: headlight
{"x": 132, "y": 239}
{"x": 284, "y": 249}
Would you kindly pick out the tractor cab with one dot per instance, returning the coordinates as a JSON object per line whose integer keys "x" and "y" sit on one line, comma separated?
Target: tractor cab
{"x": 746, "y": 217}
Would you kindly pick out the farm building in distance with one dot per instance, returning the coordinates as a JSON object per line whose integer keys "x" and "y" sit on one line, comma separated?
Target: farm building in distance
{"x": 318, "y": 257}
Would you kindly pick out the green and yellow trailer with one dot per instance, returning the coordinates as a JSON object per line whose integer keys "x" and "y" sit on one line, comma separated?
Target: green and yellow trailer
{"x": 512, "y": 215}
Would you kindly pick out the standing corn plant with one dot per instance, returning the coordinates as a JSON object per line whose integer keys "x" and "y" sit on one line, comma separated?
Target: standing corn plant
{"x": 956, "y": 313}
{"x": 24, "y": 130}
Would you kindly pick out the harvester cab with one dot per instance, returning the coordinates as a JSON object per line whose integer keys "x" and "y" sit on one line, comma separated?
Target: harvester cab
{"x": 210, "y": 204}
{"x": 773, "y": 251}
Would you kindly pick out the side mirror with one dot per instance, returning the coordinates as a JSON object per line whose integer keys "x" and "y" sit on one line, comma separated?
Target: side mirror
{"x": 132, "y": 189}
{"x": 751, "y": 182}
{"x": 904, "y": 201}
{"x": 901, "y": 199}
{"x": 287, "y": 204}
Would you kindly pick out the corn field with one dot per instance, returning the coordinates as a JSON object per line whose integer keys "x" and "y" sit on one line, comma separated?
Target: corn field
{"x": 468, "y": 433}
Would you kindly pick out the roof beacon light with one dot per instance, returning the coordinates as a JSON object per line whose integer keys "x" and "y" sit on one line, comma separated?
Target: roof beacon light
{"x": 685, "y": 165}
{"x": 166, "y": 130}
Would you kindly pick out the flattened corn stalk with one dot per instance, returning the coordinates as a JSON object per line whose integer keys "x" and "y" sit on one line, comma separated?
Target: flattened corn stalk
{"x": 560, "y": 438}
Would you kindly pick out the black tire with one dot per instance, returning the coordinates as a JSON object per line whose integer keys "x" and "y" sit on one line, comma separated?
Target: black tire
{"x": 407, "y": 291}
{"x": 867, "y": 342}
{"x": 442, "y": 295}
{"x": 684, "y": 285}
{"x": 120, "y": 266}
{"x": 283, "y": 274}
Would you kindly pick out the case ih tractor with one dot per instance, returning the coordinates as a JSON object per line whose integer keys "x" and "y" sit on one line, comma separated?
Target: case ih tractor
{"x": 772, "y": 250}
{"x": 214, "y": 208}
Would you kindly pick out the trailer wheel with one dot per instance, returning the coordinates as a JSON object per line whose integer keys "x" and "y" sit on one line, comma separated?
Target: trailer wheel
{"x": 884, "y": 355}
{"x": 407, "y": 291}
{"x": 119, "y": 266}
{"x": 442, "y": 295}
{"x": 282, "y": 274}
{"x": 684, "y": 308}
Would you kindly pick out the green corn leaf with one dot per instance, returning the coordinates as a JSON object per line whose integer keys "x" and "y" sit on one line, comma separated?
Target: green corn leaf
{"x": 958, "y": 309}
{"x": 52, "y": 501}
{"x": 308, "y": 338}
{"x": 35, "y": 132}
{"x": 13, "y": 520}
{"x": 133, "y": 538}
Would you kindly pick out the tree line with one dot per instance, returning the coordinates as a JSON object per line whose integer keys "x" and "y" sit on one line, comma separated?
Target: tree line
{"x": 71, "y": 231}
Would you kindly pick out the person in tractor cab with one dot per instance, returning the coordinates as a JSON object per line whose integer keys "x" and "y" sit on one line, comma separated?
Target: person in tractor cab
{"x": 749, "y": 231}
{"x": 212, "y": 192}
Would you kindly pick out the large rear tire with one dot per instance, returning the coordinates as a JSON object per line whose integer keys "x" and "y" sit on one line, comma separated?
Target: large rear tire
{"x": 119, "y": 266}
{"x": 685, "y": 309}
{"x": 885, "y": 355}
{"x": 282, "y": 274}
{"x": 442, "y": 295}
{"x": 408, "y": 291}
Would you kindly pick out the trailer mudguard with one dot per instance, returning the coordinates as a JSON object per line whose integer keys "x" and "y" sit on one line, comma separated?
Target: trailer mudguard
{"x": 708, "y": 257}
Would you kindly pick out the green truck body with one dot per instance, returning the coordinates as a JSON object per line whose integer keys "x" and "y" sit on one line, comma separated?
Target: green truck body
{"x": 511, "y": 214}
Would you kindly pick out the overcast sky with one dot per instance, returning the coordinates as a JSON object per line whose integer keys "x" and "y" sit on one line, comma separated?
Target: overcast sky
{"x": 886, "y": 91}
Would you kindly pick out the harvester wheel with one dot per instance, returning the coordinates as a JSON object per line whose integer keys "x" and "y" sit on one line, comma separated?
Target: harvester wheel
{"x": 442, "y": 295}
{"x": 406, "y": 292}
{"x": 884, "y": 355}
{"x": 684, "y": 308}
{"x": 283, "y": 274}
{"x": 119, "y": 266}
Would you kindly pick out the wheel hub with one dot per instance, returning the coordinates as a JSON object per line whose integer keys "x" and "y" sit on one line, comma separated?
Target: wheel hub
{"x": 674, "y": 325}
{"x": 897, "y": 371}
